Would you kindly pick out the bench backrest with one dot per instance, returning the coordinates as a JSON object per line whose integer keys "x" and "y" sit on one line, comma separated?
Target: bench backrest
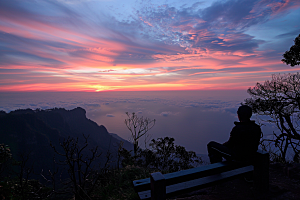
{"x": 189, "y": 174}
{"x": 260, "y": 168}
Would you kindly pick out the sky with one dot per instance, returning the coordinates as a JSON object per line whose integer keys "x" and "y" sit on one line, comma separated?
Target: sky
{"x": 106, "y": 45}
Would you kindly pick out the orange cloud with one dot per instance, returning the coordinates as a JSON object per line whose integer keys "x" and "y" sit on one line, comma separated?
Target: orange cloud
{"x": 158, "y": 49}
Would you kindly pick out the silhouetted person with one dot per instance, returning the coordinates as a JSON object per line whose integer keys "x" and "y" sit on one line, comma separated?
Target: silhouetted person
{"x": 243, "y": 141}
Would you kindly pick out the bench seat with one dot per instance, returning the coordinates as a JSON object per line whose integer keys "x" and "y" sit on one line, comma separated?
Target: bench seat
{"x": 200, "y": 177}
{"x": 199, "y": 183}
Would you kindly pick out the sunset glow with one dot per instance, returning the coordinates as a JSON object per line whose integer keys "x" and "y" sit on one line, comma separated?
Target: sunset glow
{"x": 83, "y": 45}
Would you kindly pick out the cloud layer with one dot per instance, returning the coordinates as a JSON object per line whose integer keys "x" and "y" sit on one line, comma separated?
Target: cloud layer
{"x": 143, "y": 45}
{"x": 193, "y": 118}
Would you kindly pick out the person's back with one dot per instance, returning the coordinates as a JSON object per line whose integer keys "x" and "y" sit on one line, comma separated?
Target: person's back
{"x": 243, "y": 141}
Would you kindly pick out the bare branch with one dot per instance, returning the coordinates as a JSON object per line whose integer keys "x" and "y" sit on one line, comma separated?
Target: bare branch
{"x": 138, "y": 126}
{"x": 279, "y": 99}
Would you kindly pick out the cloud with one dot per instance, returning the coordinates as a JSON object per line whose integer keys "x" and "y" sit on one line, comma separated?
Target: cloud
{"x": 289, "y": 34}
{"x": 168, "y": 113}
{"x": 95, "y": 46}
{"x": 93, "y": 105}
{"x": 165, "y": 114}
{"x": 231, "y": 110}
{"x": 192, "y": 127}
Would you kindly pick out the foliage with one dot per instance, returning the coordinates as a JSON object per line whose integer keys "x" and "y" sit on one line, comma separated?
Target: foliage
{"x": 4, "y": 153}
{"x": 126, "y": 157}
{"x": 117, "y": 184}
{"x": 138, "y": 126}
{"x": 164, "y": 155}
{"x": 5, "y": 157}
{"x": 170, "y": 157}
{"x": 11, "y": 189}
{"x": 279, "y": 99}
{"x": 274, "y": 152}
{"x": 15, "y": 181}
{"x": 292, "y": 57}
{"x": 22, "y": 174}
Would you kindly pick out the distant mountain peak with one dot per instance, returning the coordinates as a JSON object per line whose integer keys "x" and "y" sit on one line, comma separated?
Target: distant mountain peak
{"x": 79, "y": 110}
{"x": 25, "y": 129}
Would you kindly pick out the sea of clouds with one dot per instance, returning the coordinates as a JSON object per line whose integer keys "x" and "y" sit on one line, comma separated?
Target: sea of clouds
{"x": 193, "y": 118}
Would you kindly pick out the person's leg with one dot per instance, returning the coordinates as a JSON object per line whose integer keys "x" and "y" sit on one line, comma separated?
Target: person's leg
{"x": 216, "y": 151}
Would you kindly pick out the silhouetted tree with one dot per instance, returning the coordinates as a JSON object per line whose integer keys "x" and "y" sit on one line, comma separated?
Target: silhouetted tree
{"x": 16, "y": 177}
{"x": 80, "y": 163}
{"x": 24, "y": 169}
{"x": 138, "y": 126}
{"x": 162, "y": 155}
{"x": 280, "y": 100}
{"x": 5, "y": 158}
{"x": 292, "y": 57}
{"x": 171, "y": 157}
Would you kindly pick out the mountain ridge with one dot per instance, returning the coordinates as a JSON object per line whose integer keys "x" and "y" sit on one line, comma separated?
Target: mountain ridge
{"x": 27, "y": 130}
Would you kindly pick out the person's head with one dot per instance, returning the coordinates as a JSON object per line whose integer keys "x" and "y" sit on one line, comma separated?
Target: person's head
{"x": 244, "y": 113}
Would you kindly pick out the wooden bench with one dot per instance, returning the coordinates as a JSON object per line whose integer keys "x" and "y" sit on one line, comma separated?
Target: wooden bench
{"x": 161, "y": 186}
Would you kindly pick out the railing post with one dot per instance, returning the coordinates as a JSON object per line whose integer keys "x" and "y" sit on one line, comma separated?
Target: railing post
{"x": 158, "y": 186}
{"x": 261, "y": 171}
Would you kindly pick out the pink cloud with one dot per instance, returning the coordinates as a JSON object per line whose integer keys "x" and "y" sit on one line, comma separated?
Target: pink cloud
{"x": 158, "y": 49}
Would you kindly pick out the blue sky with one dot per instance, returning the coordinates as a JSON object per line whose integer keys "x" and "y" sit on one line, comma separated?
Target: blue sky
{"x": 104, "y": 45}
